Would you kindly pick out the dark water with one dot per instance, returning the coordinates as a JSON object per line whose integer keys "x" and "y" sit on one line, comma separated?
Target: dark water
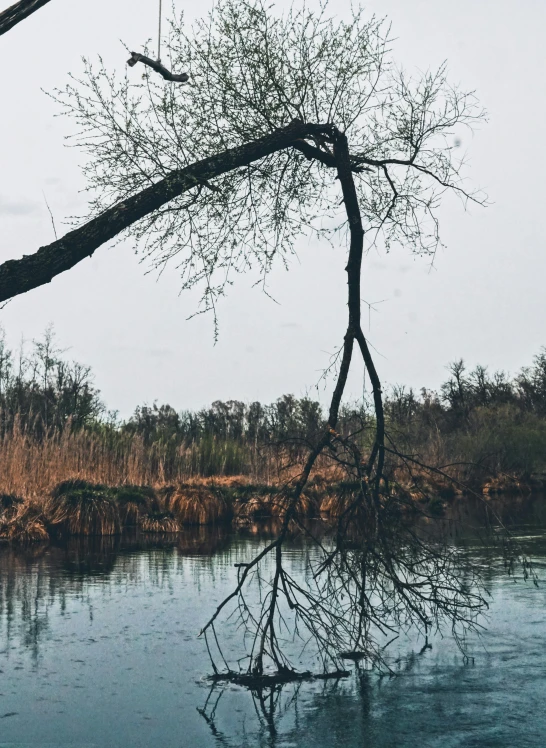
{"x": 98, "y": 647}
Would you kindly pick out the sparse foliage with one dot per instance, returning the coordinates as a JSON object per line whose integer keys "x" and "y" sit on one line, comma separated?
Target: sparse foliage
{"x": 252, "y": 72}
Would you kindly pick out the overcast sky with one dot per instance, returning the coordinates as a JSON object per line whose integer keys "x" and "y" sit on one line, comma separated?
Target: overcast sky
{"x": 484, "y": 300}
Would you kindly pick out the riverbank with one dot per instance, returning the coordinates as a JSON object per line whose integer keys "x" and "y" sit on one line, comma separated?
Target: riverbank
{"x": 78, "y": 507}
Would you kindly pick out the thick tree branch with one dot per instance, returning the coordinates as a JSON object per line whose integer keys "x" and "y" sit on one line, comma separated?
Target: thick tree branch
{"x": 158, "y": 67}
{"x": 350, "y": 198}
{"x": 311, "y": 152}
{"x": 18, "y": 12}
{"x": 31, "y": 271}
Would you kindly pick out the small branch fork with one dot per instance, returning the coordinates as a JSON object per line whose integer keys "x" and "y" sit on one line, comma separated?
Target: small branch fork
{"x": 158, "y": 67}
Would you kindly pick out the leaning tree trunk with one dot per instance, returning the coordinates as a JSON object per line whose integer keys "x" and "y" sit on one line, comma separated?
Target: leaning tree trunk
{"x": 18, "y": 12}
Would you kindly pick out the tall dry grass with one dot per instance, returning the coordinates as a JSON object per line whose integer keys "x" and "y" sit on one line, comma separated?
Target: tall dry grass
{"x": 98, "y": 482}
{"x": 31, "y": 467}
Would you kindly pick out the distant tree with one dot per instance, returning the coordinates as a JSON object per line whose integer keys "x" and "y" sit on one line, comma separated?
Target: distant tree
{"x": 531, "y": 384}
{"x": 42, "y": 392}
{"x": 154, "y": 422}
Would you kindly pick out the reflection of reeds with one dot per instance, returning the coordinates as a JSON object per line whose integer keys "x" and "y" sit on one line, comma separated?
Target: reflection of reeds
{"x": 81, "y": 508}
{"x": 88, "y": 554}
{"x": 202, "y": 541}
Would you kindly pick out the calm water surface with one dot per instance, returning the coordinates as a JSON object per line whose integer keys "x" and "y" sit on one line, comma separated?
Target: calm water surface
{"x": 98, "y": 648}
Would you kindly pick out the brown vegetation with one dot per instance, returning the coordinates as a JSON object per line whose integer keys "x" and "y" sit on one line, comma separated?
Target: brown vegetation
{"x": 336, "y": 502}
{"x": 194, "y": 505}
{"x": 135, "y": 502}
{"x": 24, "y": 525}
{"x": 305, "y": 506}
{"x": 32, "y": 465}
{"x": 77, "y": 507}
{"x": 159, "y": 522}
{"x": 79, "y": 483}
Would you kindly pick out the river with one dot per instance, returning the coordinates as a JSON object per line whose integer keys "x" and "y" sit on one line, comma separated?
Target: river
{"x": 98, "y": 647}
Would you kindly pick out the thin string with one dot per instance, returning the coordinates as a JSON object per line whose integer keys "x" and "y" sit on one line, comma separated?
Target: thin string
{"x": 159, "y": 35}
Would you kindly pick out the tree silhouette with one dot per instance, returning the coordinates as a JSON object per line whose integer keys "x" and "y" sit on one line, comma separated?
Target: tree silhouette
{"x": 291, "y": 125}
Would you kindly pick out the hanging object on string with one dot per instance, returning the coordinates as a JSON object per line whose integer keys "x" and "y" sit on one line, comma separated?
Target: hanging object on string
{"x": 159, "y": 36}
{"x": 156, "y": 64}
{"x": 158, "y": 67}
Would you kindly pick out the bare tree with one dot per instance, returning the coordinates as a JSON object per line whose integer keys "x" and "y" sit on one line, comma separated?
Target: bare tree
{"x": 291, "y": 125}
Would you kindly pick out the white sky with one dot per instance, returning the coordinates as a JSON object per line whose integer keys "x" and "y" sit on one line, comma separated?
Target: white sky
{"x": 484, "y": 300}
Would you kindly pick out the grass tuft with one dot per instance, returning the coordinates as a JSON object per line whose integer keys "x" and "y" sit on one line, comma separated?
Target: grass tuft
{"x": 89, "y": 509}
{"x": 75, "y": 484}
{"x": 200, "y": 506}
{"x": 160, "y": 522}
{"x": 337, "y": 502}
{"x": 305, "y": 506}
{"x": 134, "y": 502}
{"x": 25, "y": 526}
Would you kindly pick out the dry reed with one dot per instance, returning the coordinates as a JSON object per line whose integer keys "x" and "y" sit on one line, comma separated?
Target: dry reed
{"x": 159, "y": 522}
{"x": 135, "y": 502}
{"x": 337, "y": 502}
{"x": 24, "y": 525}
{"x": 80, "y": 508}
{"x": 31, "y": 467}
{"x": 107, "y": 477}
{"x": 200, "y": 506}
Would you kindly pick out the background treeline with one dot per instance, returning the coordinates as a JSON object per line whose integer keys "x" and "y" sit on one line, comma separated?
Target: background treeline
{"x": 53, "y": 424}
{"x": 483, "y": 424}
